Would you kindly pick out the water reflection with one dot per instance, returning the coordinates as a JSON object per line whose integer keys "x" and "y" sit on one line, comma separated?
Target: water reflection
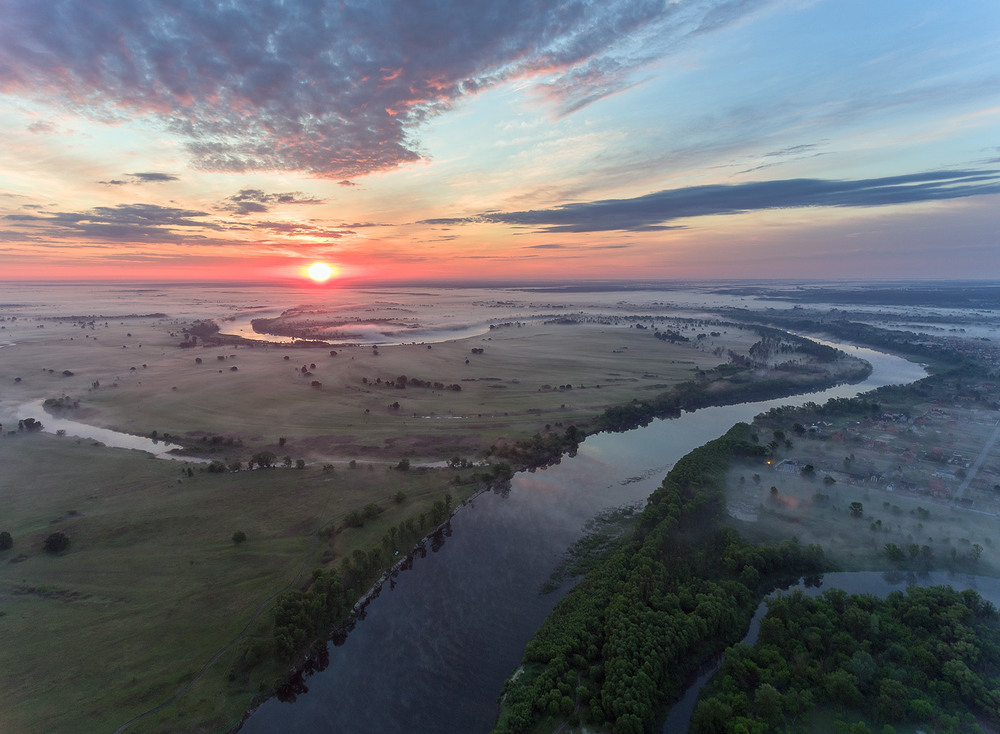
{"x": 106, "y": 436}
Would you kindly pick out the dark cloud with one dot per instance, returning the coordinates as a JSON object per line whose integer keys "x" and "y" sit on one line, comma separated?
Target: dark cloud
{"x": 128, "y": 223}
{"x": 256, "y": 201}
{"x": 140, "y": 178}
{"x": 333, "y": 89}
{"x": 294, "y": 229}
{"x": 650, "y": 212}
{"x": 153, "y": 177}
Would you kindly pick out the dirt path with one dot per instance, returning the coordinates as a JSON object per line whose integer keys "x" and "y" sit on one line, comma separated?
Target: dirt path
{"x": 974, "y": 469}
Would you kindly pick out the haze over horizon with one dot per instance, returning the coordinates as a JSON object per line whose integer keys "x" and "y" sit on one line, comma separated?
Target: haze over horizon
{"x": 818, "y": 139}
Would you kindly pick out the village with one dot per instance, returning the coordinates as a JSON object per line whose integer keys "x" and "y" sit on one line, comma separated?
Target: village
{"x": 917, "y": 471}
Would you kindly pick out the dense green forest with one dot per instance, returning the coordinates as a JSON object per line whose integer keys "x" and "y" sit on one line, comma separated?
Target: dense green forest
{"x": 626, "y": 639}
{"x": 930, "y": 657}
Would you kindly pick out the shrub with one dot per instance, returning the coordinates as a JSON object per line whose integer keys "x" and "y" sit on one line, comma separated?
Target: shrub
{"x": 239, "y": 537}
{"x": 56, "y": 543}
{"x": 6, "y": 542}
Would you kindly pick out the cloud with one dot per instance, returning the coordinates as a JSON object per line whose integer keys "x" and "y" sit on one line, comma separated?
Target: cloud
{"x": 141, "y": 178}
{"x": 651, "y": 211}
{"x": 303, "y": 229}
{"x": 336, "y": 90}
{"x": 154, "y": 177}
{"x": 127, "y": 223}
{"x": 256, "y": 201}
{"x": 41, "y": 127}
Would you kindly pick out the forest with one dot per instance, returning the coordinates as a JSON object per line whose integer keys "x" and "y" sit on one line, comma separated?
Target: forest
{"x": 930, "y": 656}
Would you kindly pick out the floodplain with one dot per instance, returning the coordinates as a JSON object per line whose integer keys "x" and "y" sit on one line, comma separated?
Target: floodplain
{"x": 157, "y": 616}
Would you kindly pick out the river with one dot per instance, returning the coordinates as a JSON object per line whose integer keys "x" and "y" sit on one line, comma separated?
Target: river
{"x": 108, "y": 437}
{"x": 435, "y": 647}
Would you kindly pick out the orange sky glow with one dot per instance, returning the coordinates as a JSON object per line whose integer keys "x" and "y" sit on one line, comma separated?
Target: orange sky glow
{"x": 709, "y": 140}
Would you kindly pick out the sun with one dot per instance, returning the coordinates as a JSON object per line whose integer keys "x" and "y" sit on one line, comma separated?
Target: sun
{"x": 320, "y": 272}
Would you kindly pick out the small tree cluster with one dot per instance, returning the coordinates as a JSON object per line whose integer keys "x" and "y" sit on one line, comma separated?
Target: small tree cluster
{"x": 56, "y": 543}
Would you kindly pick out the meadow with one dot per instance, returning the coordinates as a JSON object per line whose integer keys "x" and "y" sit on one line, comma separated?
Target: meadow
{"x": 154, "y": 609}
{"x": 133, "y": 377}
{"x": 150, "y": 603}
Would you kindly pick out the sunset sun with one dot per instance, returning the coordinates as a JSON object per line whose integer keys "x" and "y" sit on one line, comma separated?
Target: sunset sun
{"x": 320, "y": 272}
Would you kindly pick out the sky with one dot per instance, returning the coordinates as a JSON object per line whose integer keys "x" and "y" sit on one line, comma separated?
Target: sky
{"x": 499, "y": 140}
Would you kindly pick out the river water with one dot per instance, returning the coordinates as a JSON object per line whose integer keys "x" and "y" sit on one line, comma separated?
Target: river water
{"x": 106, "y": 436}
{"x": 435, "y": 647}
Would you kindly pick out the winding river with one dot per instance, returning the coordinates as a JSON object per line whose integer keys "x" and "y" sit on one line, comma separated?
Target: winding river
{"x": 435, "y": 647}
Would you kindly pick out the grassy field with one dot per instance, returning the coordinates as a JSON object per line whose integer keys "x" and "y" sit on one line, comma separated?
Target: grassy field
{"x": 516, "y": 386}
{"x": 153, "y": 585}
{"x": 154, "y": 603}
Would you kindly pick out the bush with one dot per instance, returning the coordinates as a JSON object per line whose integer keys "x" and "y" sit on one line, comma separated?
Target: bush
{"x": 6, "y": 542}
{"x": 56, "y": 543}
{"x": 239, "y": 537}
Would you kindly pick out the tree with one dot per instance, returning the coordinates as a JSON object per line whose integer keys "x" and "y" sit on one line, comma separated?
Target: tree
{"x": 300, "y": 463}
{"x": 263, "y": 459}
{"x": 6, "y": 542}
{"x": 403, "y": 465}
{"x": 894, "y": 553}
{"x": 857, "y": 509}
{"x": 56, "y": 543}
{"x": 239, "y": 537}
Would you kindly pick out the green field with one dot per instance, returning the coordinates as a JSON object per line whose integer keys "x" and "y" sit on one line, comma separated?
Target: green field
{"x": 154, "y": 610}
{"x": 524, "y": 379}
{"x": 153, "y": 585}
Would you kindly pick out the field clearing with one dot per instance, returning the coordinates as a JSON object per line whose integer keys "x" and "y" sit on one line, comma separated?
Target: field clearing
{"x": 153, "y": 586}
{"x": 524, "y": 379}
